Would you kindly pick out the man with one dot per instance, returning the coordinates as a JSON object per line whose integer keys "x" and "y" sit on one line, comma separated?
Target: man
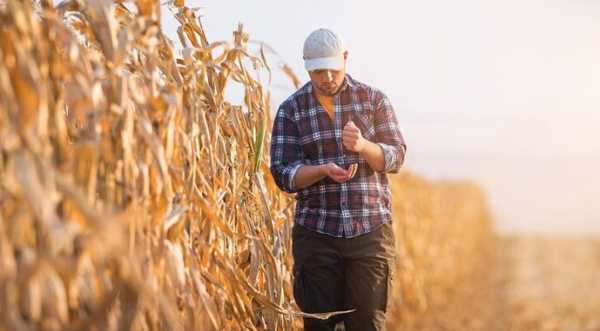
{"x": 333, "y": 142}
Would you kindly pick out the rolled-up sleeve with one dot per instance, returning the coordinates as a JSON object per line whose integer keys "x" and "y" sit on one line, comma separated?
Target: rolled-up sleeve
{"x": 286, "y": 154}
{"x": 388, "y": 134}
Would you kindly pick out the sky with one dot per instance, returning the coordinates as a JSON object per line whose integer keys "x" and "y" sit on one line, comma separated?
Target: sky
{"x": 504, "y": 93}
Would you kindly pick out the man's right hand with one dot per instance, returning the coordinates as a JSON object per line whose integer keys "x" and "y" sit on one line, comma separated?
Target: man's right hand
{"x": 338, "y": 173}
{"x": 310, "y": 174}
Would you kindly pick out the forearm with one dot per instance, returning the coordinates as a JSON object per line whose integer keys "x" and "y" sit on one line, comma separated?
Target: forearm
{"x": 373, "y": 154}
{"x": 308, "y": 175}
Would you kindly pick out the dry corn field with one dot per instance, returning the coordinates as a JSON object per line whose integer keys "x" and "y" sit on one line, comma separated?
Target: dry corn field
{"x": 134, "y": 196}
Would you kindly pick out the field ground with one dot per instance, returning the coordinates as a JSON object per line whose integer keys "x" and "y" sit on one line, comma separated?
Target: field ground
{"x": 534, "y": 284}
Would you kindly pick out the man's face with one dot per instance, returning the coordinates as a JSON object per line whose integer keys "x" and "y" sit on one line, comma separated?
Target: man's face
{"x": 326, "y": 81}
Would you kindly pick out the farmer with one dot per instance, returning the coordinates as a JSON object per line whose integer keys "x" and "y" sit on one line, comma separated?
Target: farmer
{"x": 333, "y": 142}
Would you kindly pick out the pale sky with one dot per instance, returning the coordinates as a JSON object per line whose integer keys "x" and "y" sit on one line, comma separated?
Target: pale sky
{"x": 506, "y": 93}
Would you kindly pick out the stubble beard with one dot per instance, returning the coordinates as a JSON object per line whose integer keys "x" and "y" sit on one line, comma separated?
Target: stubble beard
{"x": 328, "y": 92}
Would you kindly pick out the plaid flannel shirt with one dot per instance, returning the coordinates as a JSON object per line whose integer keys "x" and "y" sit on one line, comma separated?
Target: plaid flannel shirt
{"x": 304, "y": 134}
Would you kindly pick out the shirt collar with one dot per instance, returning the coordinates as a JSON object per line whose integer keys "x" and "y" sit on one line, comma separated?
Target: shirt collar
{"x": 348, "y": 81}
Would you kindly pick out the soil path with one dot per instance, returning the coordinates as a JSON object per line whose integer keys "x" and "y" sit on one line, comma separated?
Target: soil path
{"x": 529, "y": 284}
{"x": 547, "y": 284}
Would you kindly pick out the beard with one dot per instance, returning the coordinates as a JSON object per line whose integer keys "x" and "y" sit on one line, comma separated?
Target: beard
{"x": 328, "y": 90}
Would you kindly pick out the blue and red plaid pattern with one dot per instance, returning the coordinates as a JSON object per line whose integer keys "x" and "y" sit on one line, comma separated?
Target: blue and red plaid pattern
{"x": 304, "y": 134}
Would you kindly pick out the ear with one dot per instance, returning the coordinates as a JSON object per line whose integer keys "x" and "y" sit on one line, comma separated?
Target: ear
{"x": 345, "y": 55}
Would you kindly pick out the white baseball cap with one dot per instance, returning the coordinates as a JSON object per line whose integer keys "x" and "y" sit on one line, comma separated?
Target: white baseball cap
{"x": 323, "y": 49}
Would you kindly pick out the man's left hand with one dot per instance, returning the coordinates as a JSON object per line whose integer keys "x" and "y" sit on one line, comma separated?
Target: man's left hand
{"x": 352, "y": 138}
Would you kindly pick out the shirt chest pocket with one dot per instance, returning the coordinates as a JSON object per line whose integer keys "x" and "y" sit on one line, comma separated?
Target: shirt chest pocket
{"x": 317, "y": 139}
{"x": 364, "y": 119}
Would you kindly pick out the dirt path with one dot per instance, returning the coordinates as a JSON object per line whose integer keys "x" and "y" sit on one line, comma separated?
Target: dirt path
{"x": 547, "y": 284}
{"x": 530, "y": 284}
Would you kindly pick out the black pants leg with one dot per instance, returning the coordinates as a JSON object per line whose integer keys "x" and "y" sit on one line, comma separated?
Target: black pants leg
{"x": 369, "y": 265}
{"x": 332, "y": 274}
{"x": 318, "y": 277}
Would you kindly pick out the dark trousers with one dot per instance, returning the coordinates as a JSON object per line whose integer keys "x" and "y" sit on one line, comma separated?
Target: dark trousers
{"x": 333, "y": 274}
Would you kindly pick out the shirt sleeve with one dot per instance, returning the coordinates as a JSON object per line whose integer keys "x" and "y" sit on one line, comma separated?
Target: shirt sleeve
{"x": 388, "y": 134}
{"x": 286, "y": 153}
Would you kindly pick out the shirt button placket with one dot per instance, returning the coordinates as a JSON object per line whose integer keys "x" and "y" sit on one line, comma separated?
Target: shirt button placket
{"x": 345, "y": 215}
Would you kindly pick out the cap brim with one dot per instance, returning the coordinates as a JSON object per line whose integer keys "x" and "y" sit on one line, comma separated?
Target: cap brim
{"x": 333, "y": 63}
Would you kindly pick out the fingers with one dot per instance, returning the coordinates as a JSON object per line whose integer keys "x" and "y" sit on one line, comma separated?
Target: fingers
{"x": 353, "y": 168}
{"x": 341, "y": 175}
{"x": 350, "y": 127}
{"x": 336, "y": 172}
{"x": 340, "y": 172}
{"x": 351, "y": 137}
{"x": 350, "y": 124}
